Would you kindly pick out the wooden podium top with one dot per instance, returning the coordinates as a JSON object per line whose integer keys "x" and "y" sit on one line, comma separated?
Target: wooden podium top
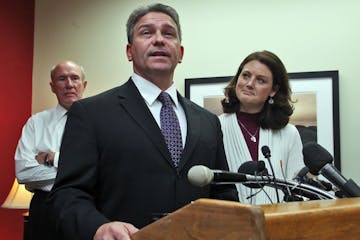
{"x": 315, "y": 205}
{"x": 207, "y": 219}
{"x": 318, "y": 219}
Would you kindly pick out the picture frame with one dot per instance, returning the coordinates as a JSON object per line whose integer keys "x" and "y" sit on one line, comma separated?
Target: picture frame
{"x": 316, "y": 104}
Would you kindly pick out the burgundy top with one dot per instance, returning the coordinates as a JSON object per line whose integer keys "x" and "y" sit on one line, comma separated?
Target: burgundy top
{"x": 249, "y": 121}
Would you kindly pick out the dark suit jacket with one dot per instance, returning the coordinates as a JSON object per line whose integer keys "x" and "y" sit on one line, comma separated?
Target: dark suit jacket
{"x": 114, "y": 163}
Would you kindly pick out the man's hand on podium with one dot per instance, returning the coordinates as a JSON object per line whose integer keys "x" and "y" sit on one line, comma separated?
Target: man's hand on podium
{"x": 115, "y": 231}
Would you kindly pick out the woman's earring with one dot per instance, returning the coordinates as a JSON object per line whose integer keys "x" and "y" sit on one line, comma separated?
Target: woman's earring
{"x": 226, "y": 100}
{"x": 271, "y": 101}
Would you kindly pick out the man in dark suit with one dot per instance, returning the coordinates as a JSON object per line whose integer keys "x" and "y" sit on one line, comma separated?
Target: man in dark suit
{"x": 116, "y": 170}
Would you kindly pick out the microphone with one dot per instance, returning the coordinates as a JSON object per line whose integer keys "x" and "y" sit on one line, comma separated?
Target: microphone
{"x": 304, "y": 176}
{"x": 319, "y": 160}
{"x": 200, "y": 176}
{"x": 256, "y": 168}
{"x": 266, "y": 152}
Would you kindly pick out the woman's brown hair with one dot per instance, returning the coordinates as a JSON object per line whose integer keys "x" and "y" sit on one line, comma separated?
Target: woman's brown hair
{"x": 272, "y": 116}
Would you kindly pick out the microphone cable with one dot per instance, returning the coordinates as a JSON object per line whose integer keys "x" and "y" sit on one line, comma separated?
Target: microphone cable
{"x": 257, "y": 169}
{"x": 261, "y": 189}
{"x": 283, "y": 175}
{"x": 289, "y": 196}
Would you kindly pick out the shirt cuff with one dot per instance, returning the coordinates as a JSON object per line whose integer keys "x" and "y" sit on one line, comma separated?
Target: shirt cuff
{"x": 56, "y": 159}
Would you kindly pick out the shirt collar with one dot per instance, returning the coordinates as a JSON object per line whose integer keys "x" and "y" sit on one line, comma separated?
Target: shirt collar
{"x": 150, "y": 91}
{"x": 60, "y": 111}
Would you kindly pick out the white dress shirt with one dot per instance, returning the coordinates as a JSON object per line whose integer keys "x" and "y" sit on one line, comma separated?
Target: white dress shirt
{"x": 42, "y": 133}
{"x": 150, "y": 92}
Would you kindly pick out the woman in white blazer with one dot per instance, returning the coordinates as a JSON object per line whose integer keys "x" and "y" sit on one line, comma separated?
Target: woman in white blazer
{"x": 257, "y": 108}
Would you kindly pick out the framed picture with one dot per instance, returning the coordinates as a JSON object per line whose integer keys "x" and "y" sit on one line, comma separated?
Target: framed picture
{"x": 316, "y": 96}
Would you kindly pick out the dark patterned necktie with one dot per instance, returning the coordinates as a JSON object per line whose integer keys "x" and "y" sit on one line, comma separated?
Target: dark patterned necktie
{"x": 170, "y": 128}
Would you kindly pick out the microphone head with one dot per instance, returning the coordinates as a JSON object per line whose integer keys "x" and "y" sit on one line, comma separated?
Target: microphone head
{"x": 315, "y": 157}
{"x": 200, "y": 175}
{"x": 253, "y": 168}
{"x": 266, "y": 151}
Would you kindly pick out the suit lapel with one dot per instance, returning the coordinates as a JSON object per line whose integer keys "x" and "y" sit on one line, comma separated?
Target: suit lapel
{"x": 133, "y": 103}
{"x": 193, "y": 130}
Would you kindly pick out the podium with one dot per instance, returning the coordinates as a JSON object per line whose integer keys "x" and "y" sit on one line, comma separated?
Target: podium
{"x": 207, "y": 219}
{"x": 317, "y": 219}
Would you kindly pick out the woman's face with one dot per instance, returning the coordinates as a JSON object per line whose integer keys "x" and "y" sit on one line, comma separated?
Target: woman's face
{"x": 254, "y": 86}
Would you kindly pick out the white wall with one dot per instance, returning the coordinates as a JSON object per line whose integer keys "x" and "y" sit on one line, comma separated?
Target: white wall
{"x": 307, "y": 35}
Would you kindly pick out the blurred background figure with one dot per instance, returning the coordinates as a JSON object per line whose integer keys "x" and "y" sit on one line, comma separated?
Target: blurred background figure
{"x": 37, "y": 153}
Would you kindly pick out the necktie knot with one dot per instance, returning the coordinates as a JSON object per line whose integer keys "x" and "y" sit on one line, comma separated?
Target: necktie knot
{"x": 165, "y": 99}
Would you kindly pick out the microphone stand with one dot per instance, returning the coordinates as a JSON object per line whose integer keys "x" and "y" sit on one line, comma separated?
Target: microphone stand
{"x": 296, "y": 188}
{"x": 266, "y": 152}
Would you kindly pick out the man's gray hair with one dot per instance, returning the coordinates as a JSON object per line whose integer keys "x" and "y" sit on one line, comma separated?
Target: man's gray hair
{"x": 143, "y": 10}
{"x": 83, "y": 76}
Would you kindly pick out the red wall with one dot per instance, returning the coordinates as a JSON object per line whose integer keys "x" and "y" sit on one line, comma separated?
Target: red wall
{"x": 16, "y": 60}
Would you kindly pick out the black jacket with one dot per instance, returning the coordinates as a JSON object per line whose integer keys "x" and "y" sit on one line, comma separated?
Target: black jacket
{"x": 115, "y": 165}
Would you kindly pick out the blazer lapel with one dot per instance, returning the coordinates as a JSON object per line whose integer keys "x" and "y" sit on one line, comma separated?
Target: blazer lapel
{"x": 193, "y": 130}
{"x": 133, "y": 103}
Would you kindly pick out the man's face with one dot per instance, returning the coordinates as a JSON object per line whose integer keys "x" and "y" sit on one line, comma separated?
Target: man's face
{"x": 156, "y": 46}
{"x": 67, "y": 83}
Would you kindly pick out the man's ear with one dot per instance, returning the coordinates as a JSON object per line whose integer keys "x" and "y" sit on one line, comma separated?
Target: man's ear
{"x": 128, "y": 52}
{"x": 181, "y": 53}
{"x": 52, "y": 86}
